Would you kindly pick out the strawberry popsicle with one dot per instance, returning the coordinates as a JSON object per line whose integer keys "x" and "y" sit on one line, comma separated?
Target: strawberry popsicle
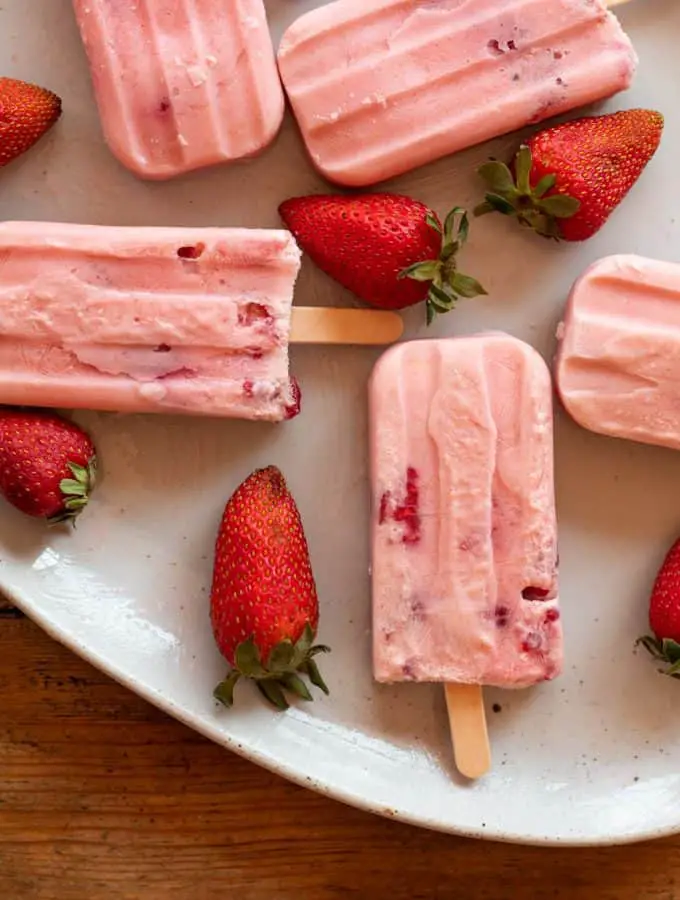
{"x": 379, "y": 87}
{"x": 464, "y": 558}
{"x": 184, "y": 320}
{"x": 180, "y": 85}
{"x": 617, "y": 367}
{"x": 464, "y": 535}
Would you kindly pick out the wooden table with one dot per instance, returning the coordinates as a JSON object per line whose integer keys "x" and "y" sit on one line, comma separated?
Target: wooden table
{"x": 103, "y": 797}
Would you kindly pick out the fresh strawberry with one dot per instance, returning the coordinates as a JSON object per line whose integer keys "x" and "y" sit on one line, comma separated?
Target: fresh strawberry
{"x": 664, "y": 614}
{"x": 47, "y": 464}
{"x": 26, "y": 113}
{"x": 567, "y": 180}
{"x": 389, "y": 250}
{"x": 263, "y": 602}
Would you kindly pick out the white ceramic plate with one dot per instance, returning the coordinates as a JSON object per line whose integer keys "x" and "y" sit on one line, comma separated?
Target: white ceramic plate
{"x": 592, "y": 757}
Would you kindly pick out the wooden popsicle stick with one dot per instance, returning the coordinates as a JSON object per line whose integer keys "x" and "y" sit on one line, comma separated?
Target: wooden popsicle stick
{"x": 467, "y": 720}
{"x": 612, "y": 3}
{"x": 319, "y": 325}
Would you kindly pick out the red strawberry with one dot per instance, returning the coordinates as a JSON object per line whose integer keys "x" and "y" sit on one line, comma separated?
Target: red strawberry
{"x": 26, "y": 113}
{"x": 664, "y": 613}
{"x": 389, "y": 250}
{"x": 567, "y": 180}
{"x": 263, "y": 602}
{"x": 47, "y": 464}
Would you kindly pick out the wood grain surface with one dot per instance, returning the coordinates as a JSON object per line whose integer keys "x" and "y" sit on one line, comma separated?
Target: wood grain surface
{"x": 102, "y": 797}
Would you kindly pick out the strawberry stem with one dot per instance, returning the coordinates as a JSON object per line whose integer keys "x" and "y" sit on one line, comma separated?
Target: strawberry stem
{"x": 75, "y": 491}
{"x": 514, "y": 196}
{"x": 665, "y": 650}
{"x": 447, "y": 285}
{"x": 286, "y": 662}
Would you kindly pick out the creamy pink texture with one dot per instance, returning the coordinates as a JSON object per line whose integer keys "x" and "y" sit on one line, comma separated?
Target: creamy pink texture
{"x": 464, "y": 564}
{"x": 379, "y": 87}
{"x": 618, "y": 365}
{"x": 182, "y": 84}
{"x": 192, "y": 320}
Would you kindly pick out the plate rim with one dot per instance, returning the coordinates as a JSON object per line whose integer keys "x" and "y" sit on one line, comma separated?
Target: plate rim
{"x": 348, "y": 797}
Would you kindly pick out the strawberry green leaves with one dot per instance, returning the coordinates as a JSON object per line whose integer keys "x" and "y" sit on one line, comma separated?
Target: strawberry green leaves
{"x": 447, "y": 284}
{"x": 224, "y": 692}
{"x": 567, "y": 180}
{"x": 76, "y": 490}
{"x": 287, "y": 661}
{"x": 514, "y": 195}
{"x": 664, "y": 649}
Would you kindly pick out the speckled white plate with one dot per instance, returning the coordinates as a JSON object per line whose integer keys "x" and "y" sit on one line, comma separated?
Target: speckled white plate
{"x": 591, "y": 758}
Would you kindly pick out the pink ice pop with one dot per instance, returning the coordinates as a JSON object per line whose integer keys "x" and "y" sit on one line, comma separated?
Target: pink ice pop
{"x": 180, "y": 85}
{"x": 183, "y": 320}
{"x": 618, "y": 365}
{"x": 464, "y": 545}
{"x": 379, "y": 87}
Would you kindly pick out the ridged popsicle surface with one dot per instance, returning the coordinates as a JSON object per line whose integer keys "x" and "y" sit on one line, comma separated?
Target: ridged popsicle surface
{"x": 182, "y": 84}
{"x": 379, "y": 87}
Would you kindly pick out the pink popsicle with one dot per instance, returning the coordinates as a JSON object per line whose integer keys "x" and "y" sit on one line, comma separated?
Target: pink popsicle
{"x": 379, "y": 87}
{"x": 193, "y": 320}
{"x": 179, "y": 84}
{"x": 464, "y": 537}
{"x": 185, "y": 320}
{"x": 618, "y": 365}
